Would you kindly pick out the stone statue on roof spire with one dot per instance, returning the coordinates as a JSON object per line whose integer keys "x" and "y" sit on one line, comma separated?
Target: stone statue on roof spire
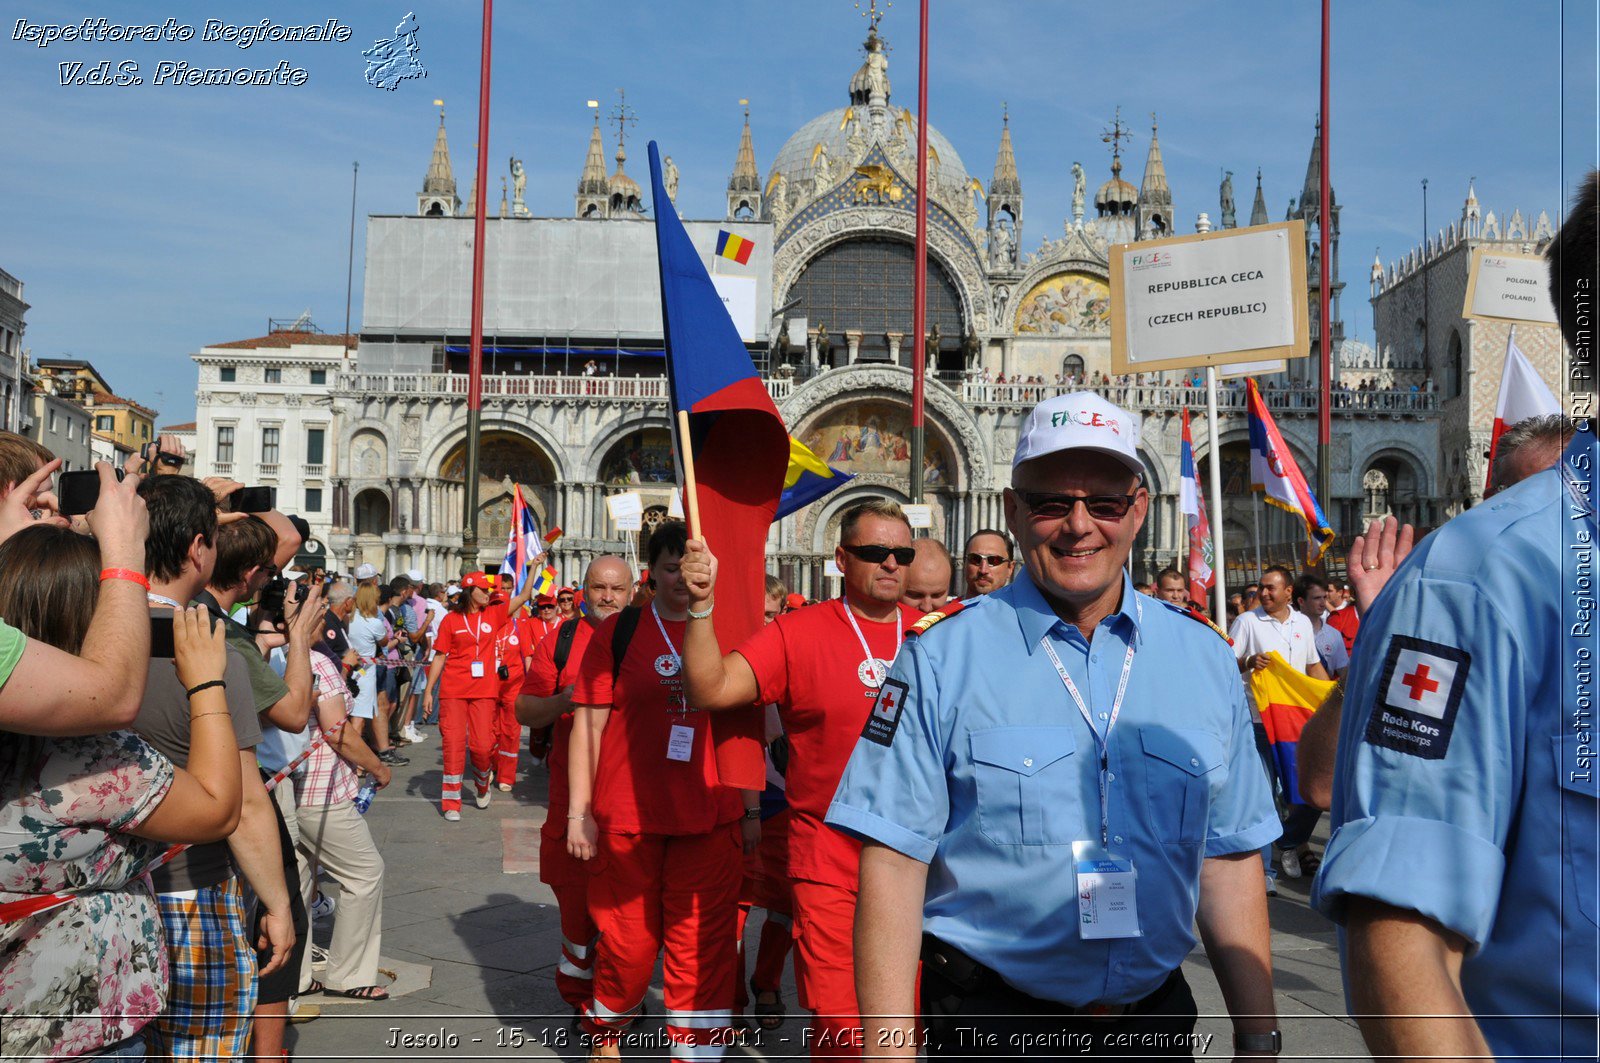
{"x": 1080, "y": 186}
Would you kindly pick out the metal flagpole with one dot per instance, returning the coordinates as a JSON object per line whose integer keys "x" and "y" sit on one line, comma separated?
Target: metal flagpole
{"x": 1255, "y": 508}
{"x": 1219, "y": 605}
{"x": 350, "y": 261}
{"x": 919, "y": 296}
{"x": 469, "y": 523}
{"x": 1324, "y": 280}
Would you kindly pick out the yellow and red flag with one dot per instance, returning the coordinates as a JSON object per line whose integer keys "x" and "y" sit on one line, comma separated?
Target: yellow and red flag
{"x": 1286, "y": 698}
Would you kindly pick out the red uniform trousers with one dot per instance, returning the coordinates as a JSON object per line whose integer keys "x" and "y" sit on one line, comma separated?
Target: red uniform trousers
{"x": 465, "y": 724}
{"x": 766, "y": 885}
{"x": 825, "y": 968}
{"x": 647, "y": 891}
{"x": 575, "y": 975}
{"x": 507, "y": 731}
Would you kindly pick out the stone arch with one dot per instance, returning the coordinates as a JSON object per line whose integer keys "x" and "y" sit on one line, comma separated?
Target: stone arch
{"x": 507, "y": 457}
{"x": 441, "y": 447}
{"x": 1407, "y": 454}
{"x": 821, "y": 533}
{"x": 373, "y": 513}
{"x": 958, "y": 258}
{"x": 369, "y": 455}
{"x": 1394, "y": 478}
{"x": 607, "y": 439}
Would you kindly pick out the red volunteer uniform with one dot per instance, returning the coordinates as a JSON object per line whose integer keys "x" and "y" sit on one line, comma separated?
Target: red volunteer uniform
{"x": 670, "y": 853}
{"x": 512, "y": 646}
{"x": 812, "y": 665}
{"x": 567, "y": 878}
{"x": 468, "y": 688}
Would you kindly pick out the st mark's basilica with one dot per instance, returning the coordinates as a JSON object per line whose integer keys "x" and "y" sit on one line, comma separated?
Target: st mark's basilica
{"x": 365, "y": 434}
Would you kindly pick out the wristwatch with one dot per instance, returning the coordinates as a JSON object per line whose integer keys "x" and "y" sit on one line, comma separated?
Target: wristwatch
{"x": 1258, "y": 1042}
{"x": 752, "y": 813}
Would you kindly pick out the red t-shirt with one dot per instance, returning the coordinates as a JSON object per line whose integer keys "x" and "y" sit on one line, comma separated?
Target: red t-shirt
{"x": 540, "y": 629}
{"x": 543, "y": 681}
{"x": 512, "y": 645}
{"x": 808, "y": 662}
{"x": 1346, "y": 622}
{"x": 638, "y": 789}
{"x": 467, "y": 639}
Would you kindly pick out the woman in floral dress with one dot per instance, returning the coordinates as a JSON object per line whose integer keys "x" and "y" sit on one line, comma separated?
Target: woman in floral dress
{"x": 86, "y": 816}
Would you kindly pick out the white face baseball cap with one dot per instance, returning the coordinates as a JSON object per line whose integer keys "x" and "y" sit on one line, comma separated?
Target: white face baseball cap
{"x": 1082, "y": 420}
{"x": 366, "y": 571}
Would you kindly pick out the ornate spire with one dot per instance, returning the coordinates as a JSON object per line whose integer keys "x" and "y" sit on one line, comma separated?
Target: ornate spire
{"x": 1258, "y": 210}
{"x": 441, "y": 179}
{"x": 745, "y": 177}
{"x": 593, "y": 181}
{"x": 1006, "y": 181}
{"x": 1155, "y": 196}
{"x": 871, "y": 81}
{"x": 627, "y": 199}
{"x": 1311, "y": 194}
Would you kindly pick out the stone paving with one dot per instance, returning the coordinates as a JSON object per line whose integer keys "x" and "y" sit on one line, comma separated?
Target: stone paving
{"x": 472, "y": 939}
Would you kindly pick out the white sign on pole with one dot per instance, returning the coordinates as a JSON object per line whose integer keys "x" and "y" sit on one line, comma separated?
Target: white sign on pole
{"x": 627, "y": 511}
{"x": 739, "y": 297}
{"x": 831, "y": 569}
{"x": 675, "y": 506}
{"x": 1207, "y": 298}
{"x": 1509, "y": 288}
{"x": 918, "y": 516}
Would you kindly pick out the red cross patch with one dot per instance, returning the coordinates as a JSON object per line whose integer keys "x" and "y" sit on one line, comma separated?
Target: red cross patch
{"x": 1417, "y": 696}
{"x": 885, "y": 717}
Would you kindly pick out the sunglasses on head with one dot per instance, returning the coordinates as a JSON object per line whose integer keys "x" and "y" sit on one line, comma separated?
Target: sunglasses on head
{"x": 877, "y": 555}
{"x": 1059, "y": 507}
{"x": 992, "y": 560}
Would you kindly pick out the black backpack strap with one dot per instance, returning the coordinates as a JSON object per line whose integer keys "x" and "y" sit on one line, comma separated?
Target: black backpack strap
{"x": 621, "y": 635}
{"x": 564, "y": 639}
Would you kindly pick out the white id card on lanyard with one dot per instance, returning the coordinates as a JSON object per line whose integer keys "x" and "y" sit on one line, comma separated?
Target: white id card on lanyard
{"x": 680, "y": 744}
{"x": 1107, "y": 907}
{"x": 477, "y": 669}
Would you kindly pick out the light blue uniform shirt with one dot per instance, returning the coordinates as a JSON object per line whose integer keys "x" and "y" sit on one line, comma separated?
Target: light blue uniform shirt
{"x": 1465, "y": 786}
{"x": 990, "y": 774}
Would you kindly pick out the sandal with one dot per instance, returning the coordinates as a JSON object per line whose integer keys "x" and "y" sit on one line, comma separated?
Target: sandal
{"x": 366, "y": 992}
{"x": 314, "y": 988}
{"x": 769, "y": 1014}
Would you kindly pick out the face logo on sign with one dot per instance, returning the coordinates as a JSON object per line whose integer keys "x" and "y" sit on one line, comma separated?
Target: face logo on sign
{"x": 668, "y": 664}
{"x": 1085, "y": 419}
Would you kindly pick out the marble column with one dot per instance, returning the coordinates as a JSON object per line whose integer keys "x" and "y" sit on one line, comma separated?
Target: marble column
{"x": 852, "y": 339}
{"x": 895, "y": 339}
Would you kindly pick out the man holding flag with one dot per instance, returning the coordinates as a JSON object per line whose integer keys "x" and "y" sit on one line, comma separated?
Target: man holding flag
{"x": 515, "y": 640}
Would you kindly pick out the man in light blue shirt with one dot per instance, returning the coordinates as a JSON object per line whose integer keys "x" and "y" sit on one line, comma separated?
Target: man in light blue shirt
{"x": 1055, "y": 785}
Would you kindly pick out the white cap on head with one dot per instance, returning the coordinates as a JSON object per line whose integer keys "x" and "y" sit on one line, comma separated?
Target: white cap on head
{"x": 292, "y": 574}
{"x": 453, "y": 590}
{"x": 366, "y": 571}
{"x": 414, "y": 575}
{"x": 1080, "y": 421}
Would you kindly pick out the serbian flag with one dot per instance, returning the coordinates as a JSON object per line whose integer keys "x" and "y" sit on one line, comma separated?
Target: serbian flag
{"x": 734, "y": 246}
{"x": 523, "y": 544}
{"x": 1523, "y": 394}
{"x": 1192, "y": 503}
{"x": 1286, "y": 698}
{"x": 1274, "y": 471}
{"x": 808, "y": 479}
{"x": 741, "y": 454}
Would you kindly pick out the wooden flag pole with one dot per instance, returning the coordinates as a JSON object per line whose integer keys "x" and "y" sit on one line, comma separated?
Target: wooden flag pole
{"x": 691, "y": 496}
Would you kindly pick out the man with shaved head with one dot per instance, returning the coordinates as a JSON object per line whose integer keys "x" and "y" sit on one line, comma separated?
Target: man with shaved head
{"x": 928, "y": 578}
{"x": 546, "y": 698}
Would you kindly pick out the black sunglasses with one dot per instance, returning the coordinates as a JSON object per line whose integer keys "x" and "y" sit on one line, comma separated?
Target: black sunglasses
{"x": 877, "y": 555}
{"x": 992, "y": 560}
{"x": 1058, "y": 507}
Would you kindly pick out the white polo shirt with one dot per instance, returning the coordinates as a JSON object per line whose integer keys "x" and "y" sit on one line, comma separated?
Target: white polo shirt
{"x": 1294, "y": 639}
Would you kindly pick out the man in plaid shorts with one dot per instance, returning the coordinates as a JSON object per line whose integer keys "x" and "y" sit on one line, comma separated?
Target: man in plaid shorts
{"x": 212, "y": 962}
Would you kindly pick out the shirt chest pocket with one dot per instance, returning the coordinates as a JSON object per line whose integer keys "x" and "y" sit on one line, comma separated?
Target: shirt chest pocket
{"x": 1027, "y": 785}
{"x": 1179, "y": 766}
{"x": 1580, "y": 823}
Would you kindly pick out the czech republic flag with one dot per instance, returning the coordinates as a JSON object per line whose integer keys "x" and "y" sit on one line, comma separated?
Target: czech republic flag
{"x": 741, "y": 454}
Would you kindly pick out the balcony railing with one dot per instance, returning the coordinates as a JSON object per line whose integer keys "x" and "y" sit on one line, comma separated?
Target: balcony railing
{"x": 269, "y": 470}
{"x": 315, "y": 472}
{"x": 1229, "y": 399}
{"x": 647, "y": 390}
{"x": 222, "y": 468}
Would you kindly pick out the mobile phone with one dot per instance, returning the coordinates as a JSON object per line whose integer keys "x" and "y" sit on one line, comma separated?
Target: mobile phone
{"x": 161, "y": 642}
{"x": 253, "y": 500}
{"x": 77, "y": 492}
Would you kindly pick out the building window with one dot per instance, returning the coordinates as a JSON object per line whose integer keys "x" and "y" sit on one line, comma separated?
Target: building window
{"x": 103, "y": 423}
{"x": 69, "y": 428}
{"x": 314, "y": 438}
{"x": 313, "y": 500}
{"x": 1452, "y": 369}
{"x": 228, "y": 374}
{"x": 274, "y": 375}
{"x": 1072, "y": 368}
{"x": 144, "y": 431}
{"x": 52, "y": 421}
{"x": 225, "y": 444}
{"x": 269, "y": 446}
{"x": 319, "y": 376}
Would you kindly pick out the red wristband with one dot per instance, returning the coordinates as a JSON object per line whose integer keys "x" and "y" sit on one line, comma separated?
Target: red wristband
{"x": 125, "y": 573}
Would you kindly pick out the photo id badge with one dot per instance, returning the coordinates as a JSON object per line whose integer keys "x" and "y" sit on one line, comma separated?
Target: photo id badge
{"x": 680, "y": 745}
{"x": 477, "y": 669}
{"x": 1106, "y": 904}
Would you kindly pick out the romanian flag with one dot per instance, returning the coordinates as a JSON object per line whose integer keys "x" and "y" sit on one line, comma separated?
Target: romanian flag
{"x": 1286, "y": 698}
{"x": 734, "y": 246}
{"x": 741, "y": 455}
{"x": 545, "y": 581}
{"x": 1274, "y": 471}
{"x": 808, "y": 479}
{"x": 524, "y": 545}
{"x": 1192, "y": 503}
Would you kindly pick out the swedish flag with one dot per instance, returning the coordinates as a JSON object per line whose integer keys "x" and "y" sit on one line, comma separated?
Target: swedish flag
{"x": 808, "y": 479}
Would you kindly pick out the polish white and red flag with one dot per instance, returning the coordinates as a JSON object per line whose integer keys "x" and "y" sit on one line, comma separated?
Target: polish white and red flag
{"x": 1523, "y": 394}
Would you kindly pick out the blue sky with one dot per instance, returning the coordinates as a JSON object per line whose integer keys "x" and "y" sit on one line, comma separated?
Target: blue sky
{"x": 148, "y": 221}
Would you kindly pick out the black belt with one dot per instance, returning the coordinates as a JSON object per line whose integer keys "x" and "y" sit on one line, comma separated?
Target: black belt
{"x": 970, "y": 976}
